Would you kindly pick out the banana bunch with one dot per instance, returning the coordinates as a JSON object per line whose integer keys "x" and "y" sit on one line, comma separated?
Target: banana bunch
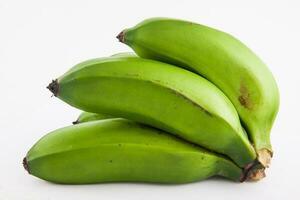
{"x": 192, "y": 103}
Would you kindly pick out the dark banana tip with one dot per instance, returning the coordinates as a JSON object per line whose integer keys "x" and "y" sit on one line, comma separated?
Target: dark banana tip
{"x": 25, "y": 165}
{"x": 54, "y": 87}
{"x": 256, "y": 175}
{"x": 75, "y": 122}
{"x": 253, "y": 172}
{"x": 247, "y": 171}
{"x": 121, "y": 37}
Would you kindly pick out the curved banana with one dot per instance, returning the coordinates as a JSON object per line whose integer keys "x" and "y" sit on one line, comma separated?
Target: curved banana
{"x": 220, "y": 58}
{"x": 124, "y": 55}
{"x": 116, "y": 150}
{"x": 88, "y": 116}
{"x": 160, "y": 95}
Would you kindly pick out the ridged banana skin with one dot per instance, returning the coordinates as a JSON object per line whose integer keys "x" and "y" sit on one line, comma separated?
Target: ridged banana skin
{"x": 123, "y": 55}
{"x": 88, "y": 116}
{"x": 160, "y": 95}
{"x": 117, "y": 150}
{"x": 220, "y": 58}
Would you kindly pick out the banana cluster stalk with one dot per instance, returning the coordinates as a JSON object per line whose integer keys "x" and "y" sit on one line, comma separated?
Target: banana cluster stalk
{"x": 221, "y": 59}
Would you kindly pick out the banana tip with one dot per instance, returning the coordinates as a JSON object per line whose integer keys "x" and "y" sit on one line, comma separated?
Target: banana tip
{"x": 25, "y": 165}
{"x": 121, "y": 37}
{"x": 75, "y": 122}
{"x": 54, "y": 87}
{"x": 254, "y": 171}
{"x": 256, "y": 175}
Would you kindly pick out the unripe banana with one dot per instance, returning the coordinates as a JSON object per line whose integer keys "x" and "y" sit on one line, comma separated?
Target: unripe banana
{"x": 87, "y": 117}
{"x": 253, "y": 174}
{"x": 160, "y": 95}
{"x": 117, "y": 150}
{"x": 124, "y": 55}
{"x": 220, "y": 58}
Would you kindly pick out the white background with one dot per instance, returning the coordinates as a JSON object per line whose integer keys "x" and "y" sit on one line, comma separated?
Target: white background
{"x": 39, "y": 40}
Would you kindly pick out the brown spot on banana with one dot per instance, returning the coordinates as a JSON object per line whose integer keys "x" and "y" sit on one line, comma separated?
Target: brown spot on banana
{"x": 244, "y": 98}
{"x": 192, "y": 102}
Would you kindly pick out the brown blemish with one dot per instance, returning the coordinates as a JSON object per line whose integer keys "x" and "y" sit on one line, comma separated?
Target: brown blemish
{"x": 192, "y": 102}
{"x": 132, "y": 75}
{"x": 244, "y": 97}
{"x": 177, "y": 93}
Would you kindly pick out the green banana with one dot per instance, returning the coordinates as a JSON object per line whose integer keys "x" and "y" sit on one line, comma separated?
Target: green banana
{"x": 87, "y": 117}
{"x": 124, "y": 55}
{"x": 160, "y": 95}
{"x": 254, "y": 174}
{"x": 223, "y": 60}
{"x": 117, "y": 150}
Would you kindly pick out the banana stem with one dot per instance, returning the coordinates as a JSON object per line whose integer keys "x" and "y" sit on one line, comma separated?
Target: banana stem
{"x": 264, "y": 157}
